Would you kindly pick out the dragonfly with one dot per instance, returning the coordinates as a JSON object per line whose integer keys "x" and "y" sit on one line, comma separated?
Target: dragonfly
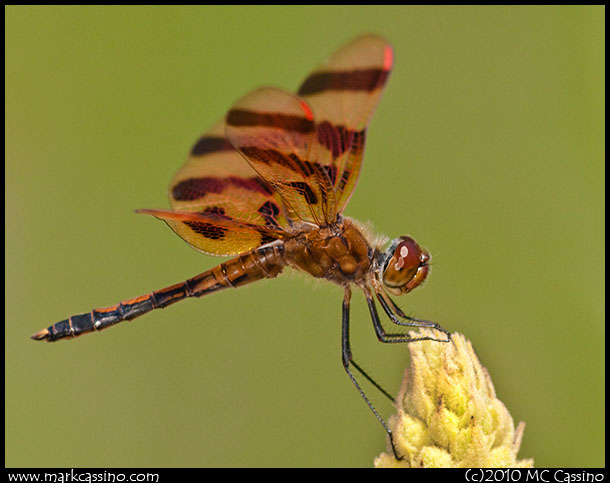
{"x": 268, "y": 185}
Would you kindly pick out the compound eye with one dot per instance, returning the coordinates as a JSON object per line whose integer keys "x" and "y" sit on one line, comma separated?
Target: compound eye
{"x": 406, "y": 268}
{"x": 407, "y": 255}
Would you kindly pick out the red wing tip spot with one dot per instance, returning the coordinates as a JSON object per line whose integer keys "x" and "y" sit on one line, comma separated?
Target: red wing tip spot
{"x": 306, "y": 110}
{"x": 388, "y": 57}
{"x": 40, "y": 335}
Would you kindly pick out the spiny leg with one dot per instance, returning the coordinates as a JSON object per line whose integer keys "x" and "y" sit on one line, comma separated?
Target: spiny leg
{"x": 346, "y": 345}
{"x": 347, "y": 360}
{"x": 393, "y": 312}
{"x": 389, "y": 338}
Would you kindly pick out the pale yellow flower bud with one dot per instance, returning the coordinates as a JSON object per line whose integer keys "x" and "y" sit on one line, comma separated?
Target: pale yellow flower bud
{"x": 448, "y": 414}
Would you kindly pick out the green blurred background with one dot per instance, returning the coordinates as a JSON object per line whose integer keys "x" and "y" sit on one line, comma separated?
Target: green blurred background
{"x": 488, "y": 147}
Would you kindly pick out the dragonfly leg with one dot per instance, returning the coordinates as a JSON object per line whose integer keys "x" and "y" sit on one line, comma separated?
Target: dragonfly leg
{"x": 348, "y": 361}
{"x": 394, "y": 312}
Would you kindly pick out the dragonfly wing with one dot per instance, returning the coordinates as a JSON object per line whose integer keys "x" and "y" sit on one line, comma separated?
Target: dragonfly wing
{"x": 216, "y": 234}
{"x": 276, "y": 133}
{"x": 216, "y": 182}
{"x": 343, "y": 93}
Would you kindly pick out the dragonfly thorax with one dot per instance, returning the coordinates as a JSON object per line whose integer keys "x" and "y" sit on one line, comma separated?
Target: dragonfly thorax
{"x": 340, "y": 253}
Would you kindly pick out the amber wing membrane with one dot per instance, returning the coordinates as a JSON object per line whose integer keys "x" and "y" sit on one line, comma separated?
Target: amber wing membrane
{"x": 276, "y": 133}
{"x": 222, "y": 206}
{"x": 343, "y": 93}
{"x": 298, "y": 167}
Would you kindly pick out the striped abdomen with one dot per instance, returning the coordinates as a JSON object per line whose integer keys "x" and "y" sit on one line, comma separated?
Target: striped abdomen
{"x": 264, "y": 262}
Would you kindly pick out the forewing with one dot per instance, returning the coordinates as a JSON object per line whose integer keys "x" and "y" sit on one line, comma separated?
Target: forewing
{"x": 276, "y": 133}
{"x": 343, "y": 93}
{"x": 216, "y": 182}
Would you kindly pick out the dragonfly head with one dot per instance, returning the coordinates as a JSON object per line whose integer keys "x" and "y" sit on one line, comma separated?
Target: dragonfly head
{"x": 405, "y": 266}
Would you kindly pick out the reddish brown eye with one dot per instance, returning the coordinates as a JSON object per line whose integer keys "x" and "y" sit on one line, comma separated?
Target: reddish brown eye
{"x": 407, "y": 266}
{"x": 406, "y": 255}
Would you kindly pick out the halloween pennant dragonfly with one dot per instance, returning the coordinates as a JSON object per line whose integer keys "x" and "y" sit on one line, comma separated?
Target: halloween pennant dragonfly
{"x": 268, "y": 184}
